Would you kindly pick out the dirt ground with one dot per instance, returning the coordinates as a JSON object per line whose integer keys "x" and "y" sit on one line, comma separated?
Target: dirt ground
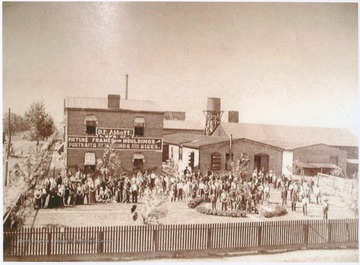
{"x": 323, "y": 256}
{"x": 112, "y": 214}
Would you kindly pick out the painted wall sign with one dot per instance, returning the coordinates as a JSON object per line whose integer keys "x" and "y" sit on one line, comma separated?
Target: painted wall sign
{"x": 96, "y": 142}
{"x": 114, "y": 133}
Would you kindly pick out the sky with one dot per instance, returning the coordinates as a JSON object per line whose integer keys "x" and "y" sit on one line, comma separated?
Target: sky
{"x": 275, "y": 63}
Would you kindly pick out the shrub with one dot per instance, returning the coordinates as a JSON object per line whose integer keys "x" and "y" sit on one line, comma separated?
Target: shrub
{"x": 278, "y": 211}
{"x": 195, "y": 202}
{"x": 228, "y": 213}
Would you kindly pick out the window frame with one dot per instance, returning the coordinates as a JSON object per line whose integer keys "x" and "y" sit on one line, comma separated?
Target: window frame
{"x": 139, "y": 127}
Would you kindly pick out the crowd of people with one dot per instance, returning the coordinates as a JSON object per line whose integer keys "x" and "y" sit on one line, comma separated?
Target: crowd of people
{"x": 231, "y": 191}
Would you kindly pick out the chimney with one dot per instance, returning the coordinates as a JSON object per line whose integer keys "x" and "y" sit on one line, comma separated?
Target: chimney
{"x": 114, "y": 101}
{"x": 233, "y": 116}
{"x": 127, "y": 86}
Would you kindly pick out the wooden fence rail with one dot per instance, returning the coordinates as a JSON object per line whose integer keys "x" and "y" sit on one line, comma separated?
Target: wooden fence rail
{"x": 177, "y": 238}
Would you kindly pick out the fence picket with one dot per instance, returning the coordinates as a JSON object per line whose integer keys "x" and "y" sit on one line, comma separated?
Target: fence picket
{"x": 133, "y": 239}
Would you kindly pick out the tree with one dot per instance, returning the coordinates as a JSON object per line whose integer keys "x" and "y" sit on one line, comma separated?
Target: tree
{"x": 154, "y": 208}
{"x": 110, "y": 163}
{"x": 240, "y": 167}
{"x": 17, "y": 123}
{"x": 42, "y": 125}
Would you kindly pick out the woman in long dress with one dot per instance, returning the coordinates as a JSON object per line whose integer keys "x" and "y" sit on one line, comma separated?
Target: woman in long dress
{"x": 79, "y": 195}
{"x": 92, "y": 191}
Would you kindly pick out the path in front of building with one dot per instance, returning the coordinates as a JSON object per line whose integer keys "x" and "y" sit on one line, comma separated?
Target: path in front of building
{"x": 112, "y": 214}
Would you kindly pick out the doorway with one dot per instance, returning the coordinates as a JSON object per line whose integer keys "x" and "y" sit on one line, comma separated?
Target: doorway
{"x": 261, "y": 162}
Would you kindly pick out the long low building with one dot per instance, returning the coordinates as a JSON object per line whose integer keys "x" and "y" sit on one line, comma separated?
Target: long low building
{"x": 213, "y": 153}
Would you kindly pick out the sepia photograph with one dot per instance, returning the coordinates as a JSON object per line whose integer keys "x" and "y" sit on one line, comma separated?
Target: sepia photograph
{"x": 180, "y": 132}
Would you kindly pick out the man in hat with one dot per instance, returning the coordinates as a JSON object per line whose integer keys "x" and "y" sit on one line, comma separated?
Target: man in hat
{"x": 325, "y": 209}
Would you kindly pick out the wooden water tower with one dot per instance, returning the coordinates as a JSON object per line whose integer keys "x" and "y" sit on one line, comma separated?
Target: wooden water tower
{"x": 213, "y": 115}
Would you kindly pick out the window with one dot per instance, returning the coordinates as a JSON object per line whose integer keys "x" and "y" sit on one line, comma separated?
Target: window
{"x": 90, "y": 123}
{"x": 215, "y": 161}
{"x": 228, "y": 160}
{"x": 139, "y": 126}
{"x": 138, "y": 162}
{"x": 90, "y": 162}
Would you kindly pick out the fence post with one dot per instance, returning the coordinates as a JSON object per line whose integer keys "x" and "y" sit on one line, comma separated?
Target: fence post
{"x": 306, "y": 233}
{"x": 49, "y": 243}
{"x": 100, "y": 245}
{"x": 329, "y": 231}
{"x": 156, "y": 240}
{"x": 259, "y": 235}
{"x": 209, "y": 245}
{"x": 347, "y": 233}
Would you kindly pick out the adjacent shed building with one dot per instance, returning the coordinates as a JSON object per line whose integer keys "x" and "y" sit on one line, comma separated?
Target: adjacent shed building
{"x": 319, "y": 149}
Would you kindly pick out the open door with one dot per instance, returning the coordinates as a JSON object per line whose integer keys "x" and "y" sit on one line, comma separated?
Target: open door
{"x": 261, "y": 162}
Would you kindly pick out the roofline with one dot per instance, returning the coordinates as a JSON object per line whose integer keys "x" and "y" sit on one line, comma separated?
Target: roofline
{"x": 211, "y": 143}
{"x": 186, "y": 143}
{"x": 116, "y": 110}
{"x": 183, "y": 129}
{"x": 331, "y": 146}
{"x": 236, "y": 139}
{"x": 249, "y": 140}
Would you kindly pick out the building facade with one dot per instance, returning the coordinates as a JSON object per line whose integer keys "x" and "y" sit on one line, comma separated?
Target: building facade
{"x": 134, "y": 127}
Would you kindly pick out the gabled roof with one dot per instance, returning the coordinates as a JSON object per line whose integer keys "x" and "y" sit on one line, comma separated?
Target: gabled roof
{"x": 183, "y": 125}
{"x": 287, "y": 137}
{"x": 102, "y": 103}
{"x": 193, "y": 140}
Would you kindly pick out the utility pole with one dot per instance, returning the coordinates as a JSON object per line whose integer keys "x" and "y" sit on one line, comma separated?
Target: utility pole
{"x": 8, "y": 151}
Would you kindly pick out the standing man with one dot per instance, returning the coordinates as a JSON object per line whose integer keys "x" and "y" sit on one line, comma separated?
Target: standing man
{"x": 305, "y": 202}
{"x": 284, "y": 195}
{"x": 325, "y": 209}
{"x": 224, "y": 200}
{"x": 134, "y": 192}
{"x": 294, "y": 198}
{"x": 213, "y": 199}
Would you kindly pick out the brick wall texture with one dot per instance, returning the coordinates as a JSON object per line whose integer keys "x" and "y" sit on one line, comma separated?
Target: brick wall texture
{"x": 114, "y": 119}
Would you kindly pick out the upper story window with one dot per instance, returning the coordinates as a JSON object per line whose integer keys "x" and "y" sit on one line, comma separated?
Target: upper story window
{"x": 90, "y": 123}
{"x": 139, "y": 126}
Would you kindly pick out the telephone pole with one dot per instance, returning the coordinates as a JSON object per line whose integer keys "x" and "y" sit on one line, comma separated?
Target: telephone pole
{"x": 8, "y": 151}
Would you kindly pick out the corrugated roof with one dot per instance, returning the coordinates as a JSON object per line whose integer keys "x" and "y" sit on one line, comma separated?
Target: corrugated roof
{"x": 102, "y": 103}
{"x": 288, "y": 137}
{"x": 193, "y": 140}
{"x": 183, "y": 125}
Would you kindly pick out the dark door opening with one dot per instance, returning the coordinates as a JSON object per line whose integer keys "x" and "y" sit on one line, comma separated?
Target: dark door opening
{"x": 165, "y": 152}
{"x": 138, "y": 165}
{"x": 89, "y": 168}
{"x": 261, "y": 162}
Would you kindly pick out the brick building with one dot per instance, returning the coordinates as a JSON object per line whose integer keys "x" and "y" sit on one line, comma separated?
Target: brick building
{"x": 136, "y": 126}
{"x": 318, "y": 149}
{"x": 213, "y": 153}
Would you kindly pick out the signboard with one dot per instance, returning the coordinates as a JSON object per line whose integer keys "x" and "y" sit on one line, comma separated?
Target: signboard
{"x": 96, "y": 142}
{"x": 114, "y": 133}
